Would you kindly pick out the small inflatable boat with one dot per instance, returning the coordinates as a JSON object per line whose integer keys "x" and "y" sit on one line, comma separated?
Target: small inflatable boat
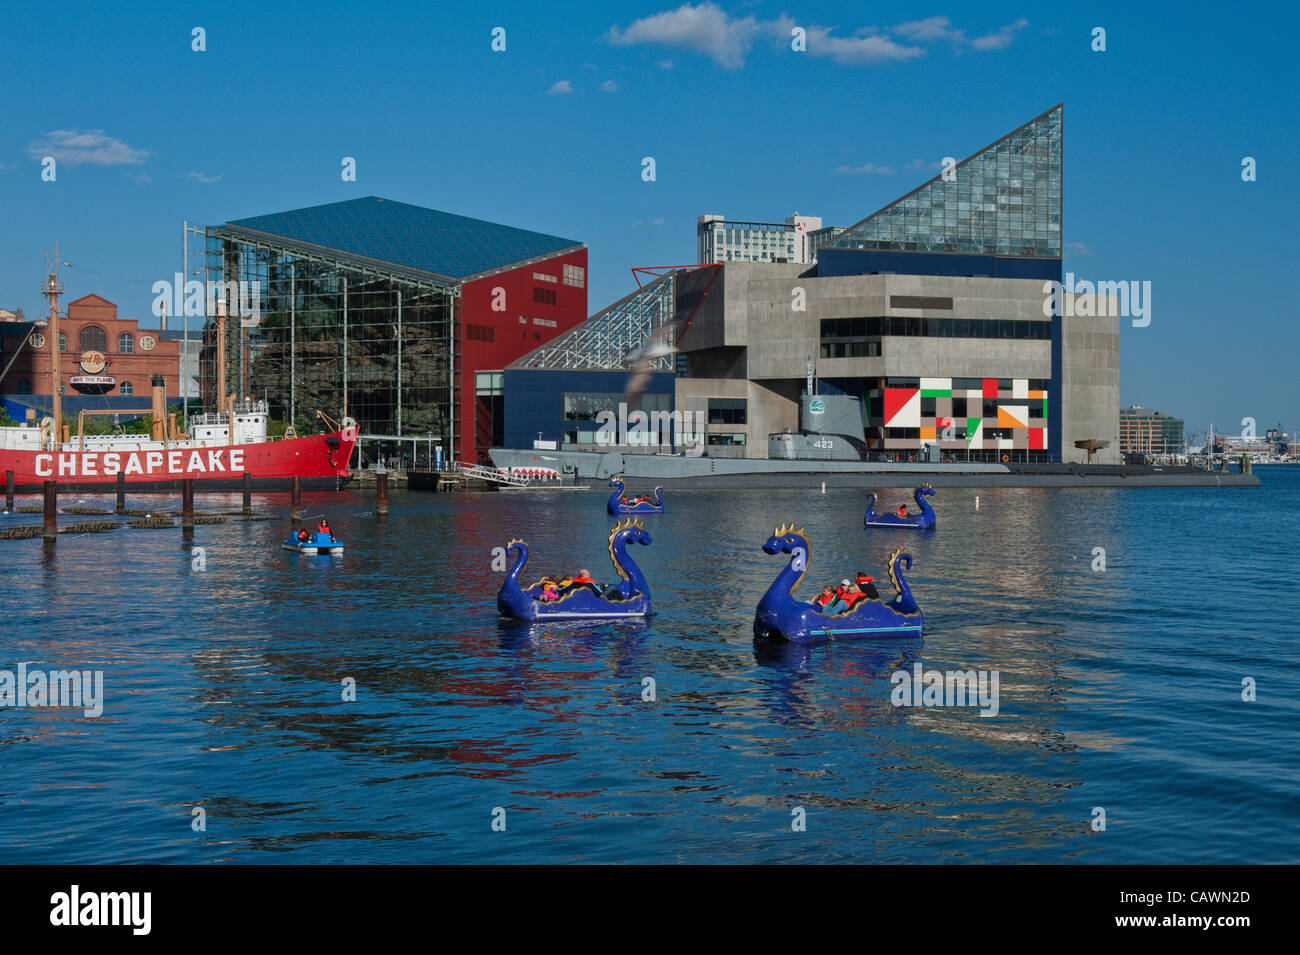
{"x": 316, "y": 543}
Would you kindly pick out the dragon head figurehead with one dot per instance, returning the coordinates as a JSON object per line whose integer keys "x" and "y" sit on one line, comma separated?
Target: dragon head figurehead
{"x": 630, "y": 531}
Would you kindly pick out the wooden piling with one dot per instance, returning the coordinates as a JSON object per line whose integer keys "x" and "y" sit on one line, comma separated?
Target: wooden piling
{"x": 51, "y": 528}
{"x": 381, "y": 493}
{"x": 9, "y": 491}
{"x": 121, "y": 492}
{"x": 248, "y": 494}
{"x": 187, "y": 502}
{"x": 295, "y": 499}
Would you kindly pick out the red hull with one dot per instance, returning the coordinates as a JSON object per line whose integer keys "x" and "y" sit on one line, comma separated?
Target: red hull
{"x": 319, "y": 460}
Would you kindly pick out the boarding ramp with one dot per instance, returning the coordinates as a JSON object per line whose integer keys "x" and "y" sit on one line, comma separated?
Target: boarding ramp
{"x": 494, "y": 475}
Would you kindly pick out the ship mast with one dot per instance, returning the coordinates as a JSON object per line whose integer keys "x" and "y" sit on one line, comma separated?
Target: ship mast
{"x": 53, "y": 289}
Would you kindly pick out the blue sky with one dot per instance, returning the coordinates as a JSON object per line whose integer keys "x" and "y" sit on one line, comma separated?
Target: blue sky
{"x": 550, "y": 135}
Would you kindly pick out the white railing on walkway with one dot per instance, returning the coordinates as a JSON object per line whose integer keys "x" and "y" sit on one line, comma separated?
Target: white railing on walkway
{"x": 490, "y": 474}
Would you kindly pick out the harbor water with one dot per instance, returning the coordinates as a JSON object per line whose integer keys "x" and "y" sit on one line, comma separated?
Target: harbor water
{"x": 1124, "y": 626}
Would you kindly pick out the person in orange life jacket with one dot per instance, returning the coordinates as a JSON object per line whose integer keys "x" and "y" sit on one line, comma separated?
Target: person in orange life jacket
{"x": 867, "y": 587}
{"x": 825, "y": 597}
{"x": 303, "y": 535}
{"x": 582, "y": 578}
{"x": 842, "y": 598}
{"x": 324, "y": 528}
{"x": 902, "y": 510}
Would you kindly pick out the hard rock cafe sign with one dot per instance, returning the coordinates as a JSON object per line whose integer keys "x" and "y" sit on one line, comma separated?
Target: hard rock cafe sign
{"x": 92, "y": 362}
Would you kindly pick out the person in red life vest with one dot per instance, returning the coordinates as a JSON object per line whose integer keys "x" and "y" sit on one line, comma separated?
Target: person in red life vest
{"x": 582, "y": 578}
{"x": 827, "y": 596}
{"x": 902, "y": 511}
{"x": 303, "y": 535}
{"x": 324, "y": 528}
{"x": 867, "y": 587}
{"x": 840, "y": 598}
{"x": 853, "y": 594}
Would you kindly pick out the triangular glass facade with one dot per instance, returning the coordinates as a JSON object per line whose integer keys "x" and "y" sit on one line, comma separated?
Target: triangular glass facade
{"x": 1004, "y": 200}
{"x": 602, "y": 341}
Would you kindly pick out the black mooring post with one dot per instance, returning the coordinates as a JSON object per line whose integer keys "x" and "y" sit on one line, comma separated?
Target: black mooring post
{"x": 248, "y": 494}
{"x": 51, "y": 528}
{"x": 9, "y": 491}
{"x": 381, "y": 493}
{"x": 187, "y": 502}
{"x": 295, "y": 499}
{"x": 121, "y": 492}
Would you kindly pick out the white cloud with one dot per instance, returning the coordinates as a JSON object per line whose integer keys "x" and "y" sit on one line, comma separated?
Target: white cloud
{"x": 929, "y": 30}
{"x": 665, "y": 64}
{"x": 73, "y": 147}
{"x": 1001, "y": 39}
{"x": 561, "y": 88}
{"x": 202, "y": 178}
{"x": 609, "y": 86}
{"x": 920, "y": 165}
{"x": 859, "y": 50}
{"x": 1077, "y": 248}
{"x": 868, "y": 169}
{"x": 641, "y": 222}
{"x": 705, "y": 29}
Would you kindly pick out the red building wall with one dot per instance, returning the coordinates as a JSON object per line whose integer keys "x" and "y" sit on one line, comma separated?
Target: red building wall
{"x": 137, "y": 366}
{"x": 492, "y": 337}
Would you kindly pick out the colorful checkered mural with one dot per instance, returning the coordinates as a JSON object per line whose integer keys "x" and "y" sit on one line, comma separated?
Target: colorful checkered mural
{"x": 1001, "y": 414}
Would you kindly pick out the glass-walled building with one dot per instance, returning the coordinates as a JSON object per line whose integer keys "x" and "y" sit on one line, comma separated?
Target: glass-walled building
{"x": 397, "y": 316}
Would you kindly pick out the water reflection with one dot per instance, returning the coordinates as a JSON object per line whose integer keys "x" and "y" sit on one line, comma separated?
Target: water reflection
{"x": 224, "y": 685}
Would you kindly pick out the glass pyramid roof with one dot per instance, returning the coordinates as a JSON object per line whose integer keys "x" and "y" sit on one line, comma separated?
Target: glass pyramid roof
{"x": 601, "y": 342}
{"x": 408, "y": 236}
{"x": 1004, "y": 200}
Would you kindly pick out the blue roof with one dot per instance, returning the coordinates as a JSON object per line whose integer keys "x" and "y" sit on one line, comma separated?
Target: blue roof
{"x": 409, "y": 236}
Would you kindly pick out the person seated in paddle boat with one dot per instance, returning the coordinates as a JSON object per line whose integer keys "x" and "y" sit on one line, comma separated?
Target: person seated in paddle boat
{"x": 852, "y": 614}
{"x": 923, "y": 519}
{"x": 620, "y": 503}
{"x": 580, "y": 596}
{"x": 582, "y": 578}
{"x": 308, "y": 543}
{"x": 866, "y": 586}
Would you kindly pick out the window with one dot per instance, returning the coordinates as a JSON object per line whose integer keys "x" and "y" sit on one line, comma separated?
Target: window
{"x": 544, "y": 296}
{"x": 93, "y": 339}
{"x": 480, "y": 333}
{"x": 726, "y": 411}
{"x": 24, "y": 386}
{"x": 489, "y": 383}
{"x": 63, "y": 342}
{"x": 126, "y": 388}
{"x": 586, "y": 405}
{"x": 725, "y": 439}
{"x": 544, "y": 322}
{"x": 575, "y": 275}
{"x": 927, "y": 407}
{"x": 543, "y": 277}
{"x": 125, "y": 344}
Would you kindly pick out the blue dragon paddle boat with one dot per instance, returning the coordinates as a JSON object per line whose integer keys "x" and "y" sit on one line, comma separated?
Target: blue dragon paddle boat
{"x": 618, "y": 504}
{"x": 316, "y": 543}
{"x": 921, "y": 522}
{"x": 780, "y": 615}
{"x": 628, "y": 598}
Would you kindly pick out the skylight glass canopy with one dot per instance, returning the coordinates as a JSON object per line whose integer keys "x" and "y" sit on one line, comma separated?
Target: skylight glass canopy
{"x": 601, "y": 342}
{"x": 399, "y": 234}
{"x": 1004, "y": 200}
